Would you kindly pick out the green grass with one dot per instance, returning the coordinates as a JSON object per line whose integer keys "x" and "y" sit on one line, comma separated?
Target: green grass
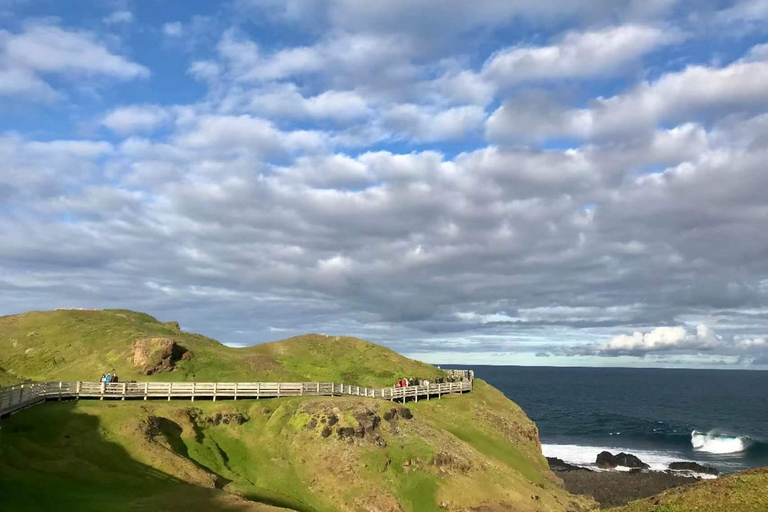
{"x": 93, "y": 455}
{"x": 82, "y": 345}
{"x": 741, "y": 492}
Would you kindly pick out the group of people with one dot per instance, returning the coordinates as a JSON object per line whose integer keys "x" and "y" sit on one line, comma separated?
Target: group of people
{"x": 109, "y": 377}
{"x": 404, "y": 383}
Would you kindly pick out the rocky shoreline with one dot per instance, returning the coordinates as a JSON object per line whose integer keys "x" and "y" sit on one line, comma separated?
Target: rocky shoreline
{"x": 621, "y": 478}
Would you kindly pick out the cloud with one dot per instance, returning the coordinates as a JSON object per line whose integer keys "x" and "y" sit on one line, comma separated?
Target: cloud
{"x": 118, "y": 17}
{"x": 660, "y": 339}
{"x": 421, "y": 125}
{"x": 47, "y": 49}
{"x": 696, "y": 92}
{"x": 135, "y": 118}
{"x": 173, "y": 29}
{"x": 577, "y": 55}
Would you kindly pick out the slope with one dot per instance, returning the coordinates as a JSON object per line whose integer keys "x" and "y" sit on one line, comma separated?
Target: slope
{"x": 82, "y": 345}
{"x": 740, "y": 492}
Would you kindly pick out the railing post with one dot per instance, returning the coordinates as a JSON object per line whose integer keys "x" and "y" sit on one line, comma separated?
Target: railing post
{"x": 79, "y": 387}
{"x": 103, "y": 389}
{"x": 146, "y": 390}
{"x": 215, "y": 385}
{"x": 124, "y": 388}
{"x": 278, "y": 390}
{"x": 170, "y": 390}
{"x": 193, "y": 391}
{"x": 258, "y": 390}
{"x": 236, "y": 391}
{"x": 60, "y": 384}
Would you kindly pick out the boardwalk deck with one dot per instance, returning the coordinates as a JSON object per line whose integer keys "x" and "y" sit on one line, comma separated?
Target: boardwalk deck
{"x": 19, "y": 397}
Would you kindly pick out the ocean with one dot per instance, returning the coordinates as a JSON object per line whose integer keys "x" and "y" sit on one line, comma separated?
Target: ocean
{"x": 715, "y": 417}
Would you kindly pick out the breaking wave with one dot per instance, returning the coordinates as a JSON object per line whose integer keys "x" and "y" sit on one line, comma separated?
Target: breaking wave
{"x": 712, "y": 442}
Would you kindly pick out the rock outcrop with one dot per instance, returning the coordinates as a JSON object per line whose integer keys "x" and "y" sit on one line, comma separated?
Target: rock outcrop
{"x": 607, "y": 460}
{"x": 155, "y": 355}
{"x": 556, "y": 464}
{"x": 694, "y": 467}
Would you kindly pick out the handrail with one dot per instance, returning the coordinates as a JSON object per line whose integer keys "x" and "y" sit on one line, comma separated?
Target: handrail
{"x": 16, "y": 398}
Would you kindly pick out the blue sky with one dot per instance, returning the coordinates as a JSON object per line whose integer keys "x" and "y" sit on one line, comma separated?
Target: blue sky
{"x": 521, "y": 182}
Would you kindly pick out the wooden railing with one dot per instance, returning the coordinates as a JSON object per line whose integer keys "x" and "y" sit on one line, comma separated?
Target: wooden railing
{"x": 19, "y": 397}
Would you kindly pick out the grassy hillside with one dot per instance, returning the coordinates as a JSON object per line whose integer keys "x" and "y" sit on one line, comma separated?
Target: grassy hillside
{"x": 741, "y": 492}
{"x": 473, "y": 452}
{"x": 464, "y": 451}
{"x": 82, "y": 345}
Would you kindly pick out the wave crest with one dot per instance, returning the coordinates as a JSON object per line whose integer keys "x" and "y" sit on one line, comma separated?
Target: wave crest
{"x": 719, "y": 444}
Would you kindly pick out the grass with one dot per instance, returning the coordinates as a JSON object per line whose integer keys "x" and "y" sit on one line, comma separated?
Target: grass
{"x": 93, "y": 455}
{"x": 82, "y": 345}
{"x": 741, "y": 492}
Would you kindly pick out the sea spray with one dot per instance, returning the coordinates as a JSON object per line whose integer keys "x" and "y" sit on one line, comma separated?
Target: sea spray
{"x": 718, "y": 444}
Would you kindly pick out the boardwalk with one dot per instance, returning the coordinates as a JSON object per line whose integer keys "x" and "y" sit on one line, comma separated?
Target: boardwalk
{"x": 19, "y": 397}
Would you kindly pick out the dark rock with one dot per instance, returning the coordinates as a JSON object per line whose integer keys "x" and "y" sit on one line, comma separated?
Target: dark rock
{"x": 312, "y": 424}
{"x": 607, "y": 460}
{"x": 405, "y": 413}
{"x": 693, "y": 466}
{"x": 326, "y": 432}
{"x": 332, "y": 420}
{"x": 556, "y": 464}
{"x": 345, "y": 432}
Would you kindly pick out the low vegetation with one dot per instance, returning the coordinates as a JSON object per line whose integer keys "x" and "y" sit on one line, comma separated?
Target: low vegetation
{"x": 474, "y": 452}
{"x": 741, "y": 492}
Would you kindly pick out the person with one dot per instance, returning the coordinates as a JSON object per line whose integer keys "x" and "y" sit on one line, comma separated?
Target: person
{"x": 398, "y": 384}
{"x": 425, "y": 382}
{"x": 114, "y": 377}
{"x": 103, "y": 378}
{"x": 109, "y": 378}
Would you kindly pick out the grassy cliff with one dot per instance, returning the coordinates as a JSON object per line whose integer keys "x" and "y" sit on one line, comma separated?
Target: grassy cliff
{"x": 475, "y": 452}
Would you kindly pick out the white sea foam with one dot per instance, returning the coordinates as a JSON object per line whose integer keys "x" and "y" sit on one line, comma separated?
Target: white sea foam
{"x": 585, "y": 456}
{"x": 714, "y": 443}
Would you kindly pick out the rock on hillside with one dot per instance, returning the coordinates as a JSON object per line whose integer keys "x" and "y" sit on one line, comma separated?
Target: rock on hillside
{"x": 155, "y": 355}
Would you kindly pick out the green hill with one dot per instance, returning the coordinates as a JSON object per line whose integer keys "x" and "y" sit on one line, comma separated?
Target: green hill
{"x": 473, "y": 452}
{"x": 82, "y": 345}
{"x": 741, "y": 492}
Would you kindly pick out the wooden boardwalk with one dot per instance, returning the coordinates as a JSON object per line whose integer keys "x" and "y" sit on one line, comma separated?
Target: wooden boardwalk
{"x": 16, "y": 398}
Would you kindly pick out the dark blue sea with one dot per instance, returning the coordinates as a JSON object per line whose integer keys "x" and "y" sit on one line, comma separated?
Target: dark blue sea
{"x": 714, "y": 417}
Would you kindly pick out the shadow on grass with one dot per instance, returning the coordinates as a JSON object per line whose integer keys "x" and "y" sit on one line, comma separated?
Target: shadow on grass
{"x": 55, "y": 458}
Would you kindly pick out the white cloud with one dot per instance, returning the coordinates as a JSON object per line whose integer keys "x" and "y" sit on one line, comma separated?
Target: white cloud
{"x": 173, "y": 29}
{"x": 286, "y": 101}
{"x": 50, "y": 49}
{"x": 44, "y": 49}
{"x": 745, "y": 10}
{"x": 23, "y": 82}
{"x": 420, "y": 124}
{"x": 118, "y": 17}
{"x": 696, "y": 92}
{"x": 135, "y": 118}
{"x": 660, "y": 339}
{"x": 577, "y": 55}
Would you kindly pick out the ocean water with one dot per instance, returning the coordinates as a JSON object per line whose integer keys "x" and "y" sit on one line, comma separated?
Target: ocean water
{"x": 715, "y": 417}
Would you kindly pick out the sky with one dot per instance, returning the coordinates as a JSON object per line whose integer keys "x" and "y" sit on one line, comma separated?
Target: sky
{"x": 528, "y": 182}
